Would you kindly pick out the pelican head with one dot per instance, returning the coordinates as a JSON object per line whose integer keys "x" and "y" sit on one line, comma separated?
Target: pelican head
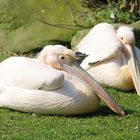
{"x": 64, "y": 59}
{"x": 127, "y": 38}
{"x": 126, "y": 35}
{"x": 56, "y": 55}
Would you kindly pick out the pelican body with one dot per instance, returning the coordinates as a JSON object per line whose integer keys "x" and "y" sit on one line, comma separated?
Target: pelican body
{"x": 112, "y": 59}
{"x": 68, "y": 100}
{"x": 52, "y": 83}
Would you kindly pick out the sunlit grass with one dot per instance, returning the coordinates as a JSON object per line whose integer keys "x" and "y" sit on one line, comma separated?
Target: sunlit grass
{"x": 104, "y": 124}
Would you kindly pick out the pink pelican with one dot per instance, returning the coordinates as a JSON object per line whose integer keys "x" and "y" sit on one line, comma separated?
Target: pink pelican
{"x": 111, "y": 57}
{"x": 53, "y": 83}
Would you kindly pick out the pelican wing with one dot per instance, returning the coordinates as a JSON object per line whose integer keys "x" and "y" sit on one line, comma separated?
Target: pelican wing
{"x": 26, "y": 73}
{"x": 100, "y": 44}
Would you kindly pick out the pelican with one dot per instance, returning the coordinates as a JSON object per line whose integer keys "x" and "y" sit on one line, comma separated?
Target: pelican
{"x": 111, "y": 57}
{"x": 52, "y": 83}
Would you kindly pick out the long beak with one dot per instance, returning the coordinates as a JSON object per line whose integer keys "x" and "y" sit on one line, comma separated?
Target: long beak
{"x": 134, "y": 67}
{"x": 88, "y": 80}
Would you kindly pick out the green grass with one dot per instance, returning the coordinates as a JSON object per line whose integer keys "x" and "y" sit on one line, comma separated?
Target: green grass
{"x": 2, "y": 57}
{"x": 102, "y": 125}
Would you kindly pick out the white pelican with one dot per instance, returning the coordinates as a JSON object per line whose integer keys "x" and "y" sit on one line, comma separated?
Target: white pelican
{"x": 112, "y": 59}
{"x": 49, "y": 84}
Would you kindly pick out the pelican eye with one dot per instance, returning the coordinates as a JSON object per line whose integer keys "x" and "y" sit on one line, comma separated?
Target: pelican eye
{"x": 121, "y": 38}
{"x": 62, "y": 57}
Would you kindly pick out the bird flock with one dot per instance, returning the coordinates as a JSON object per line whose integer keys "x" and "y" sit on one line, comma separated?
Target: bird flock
{"x": 54, "y": 82}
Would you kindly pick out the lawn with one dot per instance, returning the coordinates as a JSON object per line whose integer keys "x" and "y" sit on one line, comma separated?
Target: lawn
{"x": 102, "y": 125}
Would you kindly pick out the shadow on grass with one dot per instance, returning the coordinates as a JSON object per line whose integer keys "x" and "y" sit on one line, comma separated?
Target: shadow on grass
{"x": 103, "y": 111}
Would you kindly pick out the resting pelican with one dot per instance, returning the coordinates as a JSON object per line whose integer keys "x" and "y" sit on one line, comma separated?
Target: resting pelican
{"x": 112, "y": 59}
{"x": 53, "y": 83}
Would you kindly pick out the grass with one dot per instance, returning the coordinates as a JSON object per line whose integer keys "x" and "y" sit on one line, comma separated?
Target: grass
{"x": 104, "y": 124}
{"x": 101, "y": 125}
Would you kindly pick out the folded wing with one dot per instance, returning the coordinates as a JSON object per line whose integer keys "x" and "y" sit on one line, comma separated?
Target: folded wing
{"x": 100, "y": 44}
{"x": 26, "y": 73}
